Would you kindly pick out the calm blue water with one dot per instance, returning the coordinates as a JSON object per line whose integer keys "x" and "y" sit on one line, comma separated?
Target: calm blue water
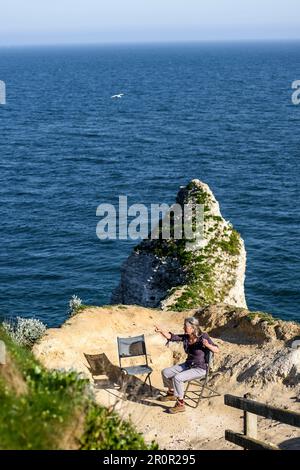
{"x": 220, "y": 113}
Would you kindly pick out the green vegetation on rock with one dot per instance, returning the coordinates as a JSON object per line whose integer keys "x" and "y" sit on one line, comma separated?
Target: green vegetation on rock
{"x": 231, "y": 246}
{"x": 262, "y": 316}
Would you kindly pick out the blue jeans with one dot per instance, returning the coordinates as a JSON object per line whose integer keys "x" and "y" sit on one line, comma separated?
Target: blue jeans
{"x": 175, "y": 376}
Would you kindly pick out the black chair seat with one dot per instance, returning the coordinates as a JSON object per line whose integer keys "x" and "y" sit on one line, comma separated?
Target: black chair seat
{"x": 137, "y": 370}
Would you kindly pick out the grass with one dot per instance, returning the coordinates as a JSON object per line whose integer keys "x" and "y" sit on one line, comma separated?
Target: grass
{"x": 100, "y": 432}
{"x": 80, "y": 308}
{"x": 231, "y": 246}
{"x": 263, "y": 316}
{"x": 41, "y": 417}
{"x": 38, "y": 418}
{"x": 193, "y": 296}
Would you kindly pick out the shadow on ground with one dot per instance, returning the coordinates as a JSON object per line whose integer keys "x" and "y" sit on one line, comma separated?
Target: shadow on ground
{"x": 109, "y": 377}
{"x": 290, "y": 444}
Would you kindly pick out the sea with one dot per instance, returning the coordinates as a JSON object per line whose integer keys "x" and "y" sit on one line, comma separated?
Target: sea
{"x": 218, "y": 112}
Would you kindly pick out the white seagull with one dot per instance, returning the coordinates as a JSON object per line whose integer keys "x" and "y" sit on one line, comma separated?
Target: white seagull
{"x": 118, "y": 96}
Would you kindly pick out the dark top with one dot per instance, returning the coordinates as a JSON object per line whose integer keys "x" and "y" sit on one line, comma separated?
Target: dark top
{"x": 197, "y": 353}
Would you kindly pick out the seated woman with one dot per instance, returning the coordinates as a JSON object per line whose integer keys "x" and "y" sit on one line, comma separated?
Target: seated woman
{"x": 196, "y": 344}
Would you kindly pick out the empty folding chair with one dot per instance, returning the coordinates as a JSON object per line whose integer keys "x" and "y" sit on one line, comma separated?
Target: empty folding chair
{"x": 133, "y": 347}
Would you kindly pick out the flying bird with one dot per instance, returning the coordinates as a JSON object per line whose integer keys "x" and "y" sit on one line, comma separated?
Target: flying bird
{"x": 118, "y": 96}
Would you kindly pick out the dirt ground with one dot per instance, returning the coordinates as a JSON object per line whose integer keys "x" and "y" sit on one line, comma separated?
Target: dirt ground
{"x": 94, "y": 332}
{"x": 201, "y": 427}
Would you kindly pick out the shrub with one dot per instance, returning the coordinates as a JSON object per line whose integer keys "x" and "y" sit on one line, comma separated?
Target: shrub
{"x": 104, "y": 429}
{"x": 75, "y": 304}
{"x": 25, "y": 331}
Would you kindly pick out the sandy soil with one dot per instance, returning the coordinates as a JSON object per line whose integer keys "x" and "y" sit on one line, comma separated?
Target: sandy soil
{"x": 202, "y": 427}
{"x": 94, "y": 331}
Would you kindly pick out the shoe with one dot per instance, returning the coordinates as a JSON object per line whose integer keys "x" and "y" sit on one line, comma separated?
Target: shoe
{"x": 167, "y": 397}
{"x": 178, "y": 408}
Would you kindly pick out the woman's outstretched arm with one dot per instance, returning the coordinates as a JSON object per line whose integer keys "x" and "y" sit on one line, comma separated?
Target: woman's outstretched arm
{"x": 165, "y": 334}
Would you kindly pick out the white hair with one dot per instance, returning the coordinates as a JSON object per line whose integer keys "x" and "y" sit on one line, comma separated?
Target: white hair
{"x": 195, "y": 325}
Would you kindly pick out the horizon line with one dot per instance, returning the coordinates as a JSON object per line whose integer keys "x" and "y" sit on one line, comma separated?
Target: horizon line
{"x": 150, "y": 42}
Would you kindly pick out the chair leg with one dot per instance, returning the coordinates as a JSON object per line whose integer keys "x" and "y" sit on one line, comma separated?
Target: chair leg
{"x": 213, "y": 391}
{"x": 203, "y": 388}
{"x": 187, "y": 388}
{"x": 145, "y": 381}
{"x": 151, "y": 390}
{"x": 124, "y": 383}
{"x": 201, "y": 392}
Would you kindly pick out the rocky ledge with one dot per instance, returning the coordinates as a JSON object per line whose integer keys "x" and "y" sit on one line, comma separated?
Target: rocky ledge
{"x": 256, "y": 355}
{"x": 256, "y": 349}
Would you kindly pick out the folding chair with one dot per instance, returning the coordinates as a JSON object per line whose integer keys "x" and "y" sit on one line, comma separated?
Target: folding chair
{"x": 202, "y": 383}
{"x": 133, "y": 347}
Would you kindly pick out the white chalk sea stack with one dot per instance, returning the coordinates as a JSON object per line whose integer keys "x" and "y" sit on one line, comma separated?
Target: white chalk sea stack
{"x": 167, "y": 274}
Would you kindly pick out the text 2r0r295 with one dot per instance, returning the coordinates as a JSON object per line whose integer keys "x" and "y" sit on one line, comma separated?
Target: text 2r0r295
{"x": 169, "y": 459}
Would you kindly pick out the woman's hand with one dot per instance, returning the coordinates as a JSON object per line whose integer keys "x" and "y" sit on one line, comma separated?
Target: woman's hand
{"x": 207, "y": 345}
{"x": 165, "y": 334}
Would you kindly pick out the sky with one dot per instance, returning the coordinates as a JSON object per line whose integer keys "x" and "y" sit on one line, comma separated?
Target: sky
{"x": 106, "y": 21}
